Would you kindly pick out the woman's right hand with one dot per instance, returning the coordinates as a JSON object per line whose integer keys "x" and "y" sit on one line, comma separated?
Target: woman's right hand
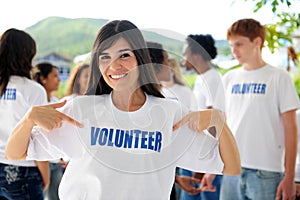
{"x": 48, "y": 118}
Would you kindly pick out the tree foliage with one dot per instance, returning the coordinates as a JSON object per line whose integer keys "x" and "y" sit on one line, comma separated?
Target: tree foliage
{"x": 279, "y": 33}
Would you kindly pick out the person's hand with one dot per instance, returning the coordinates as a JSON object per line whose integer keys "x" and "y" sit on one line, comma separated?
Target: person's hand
{"x": 286, "y": 189}
{"x": 188, "y": 184}
{"x": 298, "y": 189}
{"x": 206, "y": 183}
{"x": 202, "y": 120}
{"x": 48, "y": 118}
{"x": 63, "y": 163}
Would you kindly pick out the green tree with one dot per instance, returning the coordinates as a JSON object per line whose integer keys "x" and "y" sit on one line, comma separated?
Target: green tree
{"x": 279, "y": 32}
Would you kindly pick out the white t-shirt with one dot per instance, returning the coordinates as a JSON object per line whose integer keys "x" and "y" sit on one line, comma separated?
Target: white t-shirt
{"x": 69, "y": 97}
{"x": 21, "y": 93}
{"x": 255, "y": 101}
{"x": 124, "y": 155}
{"x": 209, "y": 91}
{"x": 182, "y": 94}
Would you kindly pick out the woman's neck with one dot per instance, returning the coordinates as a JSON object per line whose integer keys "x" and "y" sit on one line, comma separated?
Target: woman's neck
{"x": 128, "y": 101}
{"x": 49, "y": 96}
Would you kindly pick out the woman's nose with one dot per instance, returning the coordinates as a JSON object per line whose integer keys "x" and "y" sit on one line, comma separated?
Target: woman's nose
{"x": 116, "y": 64}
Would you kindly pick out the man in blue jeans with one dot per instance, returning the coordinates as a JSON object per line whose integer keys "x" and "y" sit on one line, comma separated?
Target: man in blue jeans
{"x": 261, "y": 103}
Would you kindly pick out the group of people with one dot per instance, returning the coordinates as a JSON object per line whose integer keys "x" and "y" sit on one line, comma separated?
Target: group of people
{"x": 137, "y": 132}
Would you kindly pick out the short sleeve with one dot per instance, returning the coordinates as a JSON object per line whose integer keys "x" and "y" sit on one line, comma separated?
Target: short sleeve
{"x": 40, "y": 147}
{"x": 58, "y": 143}
{"x": 288, "y": 98}
{"x": 201, "y": 153}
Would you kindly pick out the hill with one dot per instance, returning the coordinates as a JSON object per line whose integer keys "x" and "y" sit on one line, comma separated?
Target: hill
{"x": 72, "y": 37}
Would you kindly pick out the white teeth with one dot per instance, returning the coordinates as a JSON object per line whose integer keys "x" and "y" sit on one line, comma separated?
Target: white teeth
{"x": 117, "y": 76}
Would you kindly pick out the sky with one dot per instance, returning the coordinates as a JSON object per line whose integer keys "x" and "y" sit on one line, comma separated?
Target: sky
{"x": 173, "y": 18}
{"x": 176, "y": 18}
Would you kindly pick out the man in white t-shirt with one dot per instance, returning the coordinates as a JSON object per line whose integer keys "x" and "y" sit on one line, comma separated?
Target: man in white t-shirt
{"x": 209, "y": 92}
{"x": 261, "y": 102}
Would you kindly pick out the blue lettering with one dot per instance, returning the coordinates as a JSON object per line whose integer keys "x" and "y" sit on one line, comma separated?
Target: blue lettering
{"x": 9, "y": 94}
{"x": 110, "y": 136}
{"x": 235, "y": 89}
{"x": 119, "y": 137}
{"x": 94, "y": 135}
{"x": 158, "y": 139}
{"x": 144, "y": 139}
{"x": 263, "y": 89}
{"x": 136, "y": 142}
{"x": 150, "y": 140}
{"x": 124, "y": 138}
{"x": 103, "y": 136}
{"x": 248, "y": 88}
{"x": 128, "y": 139}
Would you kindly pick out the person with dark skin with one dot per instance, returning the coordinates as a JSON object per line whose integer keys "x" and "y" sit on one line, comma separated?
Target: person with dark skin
{"x": 208, "y": 88}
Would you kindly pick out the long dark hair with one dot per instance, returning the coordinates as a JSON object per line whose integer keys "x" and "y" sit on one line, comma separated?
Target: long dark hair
{"x": 42, "y": 69}
{"x": 17, "y": 50}
{"x": 106, "y": 37}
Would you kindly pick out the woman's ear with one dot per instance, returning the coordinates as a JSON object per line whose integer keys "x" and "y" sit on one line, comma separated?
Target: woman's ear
{"x": 43, "y": 80}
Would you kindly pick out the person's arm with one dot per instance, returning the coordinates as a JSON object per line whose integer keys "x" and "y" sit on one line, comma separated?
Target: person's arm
{"x": 43, "y": 167}
{"x": 286, "y": 187}
{"x": 47, "y": 117}
{"x": 202, "y": 120}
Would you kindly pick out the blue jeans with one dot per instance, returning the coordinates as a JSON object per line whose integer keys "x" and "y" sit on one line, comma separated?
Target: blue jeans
{"x": 251, "y": 184}
{"x": 203, "y": 195}
{"x": 56, "y": 173}
{"x": 20, "y": 183}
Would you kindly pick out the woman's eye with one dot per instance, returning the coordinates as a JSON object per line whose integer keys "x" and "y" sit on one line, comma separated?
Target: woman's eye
{"x": 104, "y": 57}
{"x": 125, "y": 55}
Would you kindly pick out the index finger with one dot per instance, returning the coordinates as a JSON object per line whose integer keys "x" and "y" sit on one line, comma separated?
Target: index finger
{"x": 57, "y": 105}
{"x": 180, "y": 122}
{"x": 71, "y": 120}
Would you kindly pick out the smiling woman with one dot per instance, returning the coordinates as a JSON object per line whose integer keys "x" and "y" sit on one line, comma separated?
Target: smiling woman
{"x": 123, "y": 129}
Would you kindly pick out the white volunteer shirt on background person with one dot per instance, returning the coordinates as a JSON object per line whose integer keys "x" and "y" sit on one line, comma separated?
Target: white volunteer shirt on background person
{"x": 21, "y": 93}
{"x": 262, "y": 84}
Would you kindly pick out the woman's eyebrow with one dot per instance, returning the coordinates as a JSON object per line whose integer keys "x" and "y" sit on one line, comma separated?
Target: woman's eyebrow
{"x": 103, "y": 53}
{"x": 120, "y": 51}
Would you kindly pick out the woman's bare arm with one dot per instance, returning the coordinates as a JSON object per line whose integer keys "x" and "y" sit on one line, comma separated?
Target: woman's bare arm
{"x": 202, "y": 120}
{"x": 47, "y": 117}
